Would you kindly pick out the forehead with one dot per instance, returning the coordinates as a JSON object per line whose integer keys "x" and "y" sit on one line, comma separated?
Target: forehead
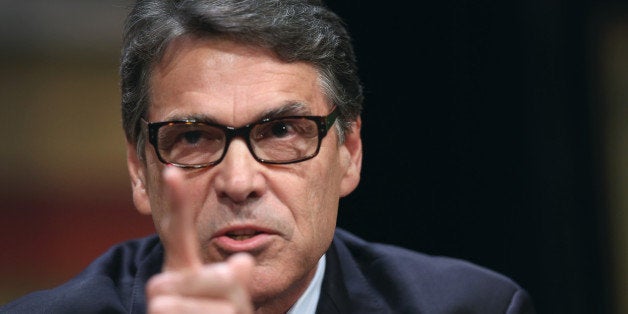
{"x": 229, "y": 81}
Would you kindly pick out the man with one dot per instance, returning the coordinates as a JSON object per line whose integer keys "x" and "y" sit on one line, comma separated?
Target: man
{"x": 243, "y": 124}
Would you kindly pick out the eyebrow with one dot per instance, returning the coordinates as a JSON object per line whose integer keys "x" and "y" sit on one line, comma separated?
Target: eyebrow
{"x": 291, "y": 108}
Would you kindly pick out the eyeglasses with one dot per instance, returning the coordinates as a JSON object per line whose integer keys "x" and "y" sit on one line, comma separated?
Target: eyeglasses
{"x": 282, "y": 140}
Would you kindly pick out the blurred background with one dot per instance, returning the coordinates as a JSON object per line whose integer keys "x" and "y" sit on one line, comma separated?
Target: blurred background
{"x": 494, "y": 131}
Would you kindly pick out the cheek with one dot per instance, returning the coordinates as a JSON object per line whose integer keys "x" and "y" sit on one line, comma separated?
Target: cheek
{"x": 321, "y": 197}
{"x": 324, "y": 186}
{"x": 156, "y": 198}
{"x": 194, "y": 191}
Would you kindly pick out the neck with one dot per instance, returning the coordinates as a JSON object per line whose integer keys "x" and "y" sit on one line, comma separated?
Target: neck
{"x": 282, "y": 302}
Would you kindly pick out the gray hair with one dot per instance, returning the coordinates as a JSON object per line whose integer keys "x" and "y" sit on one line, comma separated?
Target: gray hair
{"x": 295, "y": 30}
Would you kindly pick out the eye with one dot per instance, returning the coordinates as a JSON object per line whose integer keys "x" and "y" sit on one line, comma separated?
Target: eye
{"x": 285, "y": 130}
{"x": 199, "y": 138}
{"x": 279, "y": 129}
{"x": 190, "y": 143}
{"x": 183, "y": 136}
{"x": 192, "y": 137}
{"x": 273, "y": 130}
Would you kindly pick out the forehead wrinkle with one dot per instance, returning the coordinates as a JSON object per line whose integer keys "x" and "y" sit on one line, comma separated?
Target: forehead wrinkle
{"x": 237, "y": 92}
{"x": 254, "y": 90}
{"x": 291, "y": 108}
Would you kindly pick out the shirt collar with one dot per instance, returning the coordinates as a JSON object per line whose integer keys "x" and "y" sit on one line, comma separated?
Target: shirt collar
{"x": 306, "y": 304}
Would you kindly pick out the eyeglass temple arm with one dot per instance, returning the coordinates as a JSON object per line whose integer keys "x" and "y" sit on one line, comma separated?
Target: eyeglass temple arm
{"x": 331, "y": 118}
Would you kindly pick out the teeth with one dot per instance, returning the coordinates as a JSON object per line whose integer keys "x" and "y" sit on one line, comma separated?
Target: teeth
{"x": 239, "y": 237}
{"x": 241, "y": 234}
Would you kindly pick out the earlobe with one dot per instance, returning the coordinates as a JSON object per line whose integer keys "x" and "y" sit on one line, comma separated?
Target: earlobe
{"x": 353, "y": 145}
{"x": 137, "y": 173}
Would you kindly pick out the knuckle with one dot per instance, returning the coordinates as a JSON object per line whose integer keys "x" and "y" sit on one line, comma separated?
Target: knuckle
{"x": 158, "y": 285}
{"x": 163, "y": 304}
{"x": 223, "y": 274}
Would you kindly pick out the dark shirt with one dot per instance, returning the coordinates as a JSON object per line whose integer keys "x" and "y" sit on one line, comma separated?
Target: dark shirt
{"x": 360, "y": 277}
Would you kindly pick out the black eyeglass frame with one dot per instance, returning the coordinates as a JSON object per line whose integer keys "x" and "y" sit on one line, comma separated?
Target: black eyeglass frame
{"x": 323, "y": 123}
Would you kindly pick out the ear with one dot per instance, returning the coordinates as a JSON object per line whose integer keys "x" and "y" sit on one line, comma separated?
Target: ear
{"x": 137, "y": 172}
{"x": 353, "y": 145}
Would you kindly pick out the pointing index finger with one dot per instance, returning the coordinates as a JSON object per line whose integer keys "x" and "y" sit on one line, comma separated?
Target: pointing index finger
{"x": 180, "y": 240}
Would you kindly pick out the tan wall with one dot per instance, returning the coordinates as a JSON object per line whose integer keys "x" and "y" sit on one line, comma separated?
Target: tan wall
{"x": 65, "y": 193}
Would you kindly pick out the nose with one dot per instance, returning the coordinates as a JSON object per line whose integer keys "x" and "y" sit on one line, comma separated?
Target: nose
{"x": 238, "y": 177}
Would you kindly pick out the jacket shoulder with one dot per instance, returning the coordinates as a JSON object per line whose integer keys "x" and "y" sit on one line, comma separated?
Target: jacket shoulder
{"x": 409, "y": 281}
{"x": 107, "y": 285}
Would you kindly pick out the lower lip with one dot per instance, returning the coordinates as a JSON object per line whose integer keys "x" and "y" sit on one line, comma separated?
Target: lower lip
{"x": 254, "y": 243}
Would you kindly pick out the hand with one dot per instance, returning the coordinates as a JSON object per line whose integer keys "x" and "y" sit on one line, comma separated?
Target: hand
{"x": 186, "y": 285}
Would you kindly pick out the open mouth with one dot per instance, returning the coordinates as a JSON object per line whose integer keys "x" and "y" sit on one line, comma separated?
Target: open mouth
{"x": 241, "y": 235}
{"x": 244, "y": 238}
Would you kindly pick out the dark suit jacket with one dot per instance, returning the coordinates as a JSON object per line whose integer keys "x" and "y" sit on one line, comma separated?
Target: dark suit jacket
{"x": 360, "y": 277}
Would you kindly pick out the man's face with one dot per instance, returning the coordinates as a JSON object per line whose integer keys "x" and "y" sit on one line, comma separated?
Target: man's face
{"x": 284, "y": 215}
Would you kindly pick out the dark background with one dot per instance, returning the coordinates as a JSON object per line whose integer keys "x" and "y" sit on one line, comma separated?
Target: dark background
{"x": 479, "y": 141}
